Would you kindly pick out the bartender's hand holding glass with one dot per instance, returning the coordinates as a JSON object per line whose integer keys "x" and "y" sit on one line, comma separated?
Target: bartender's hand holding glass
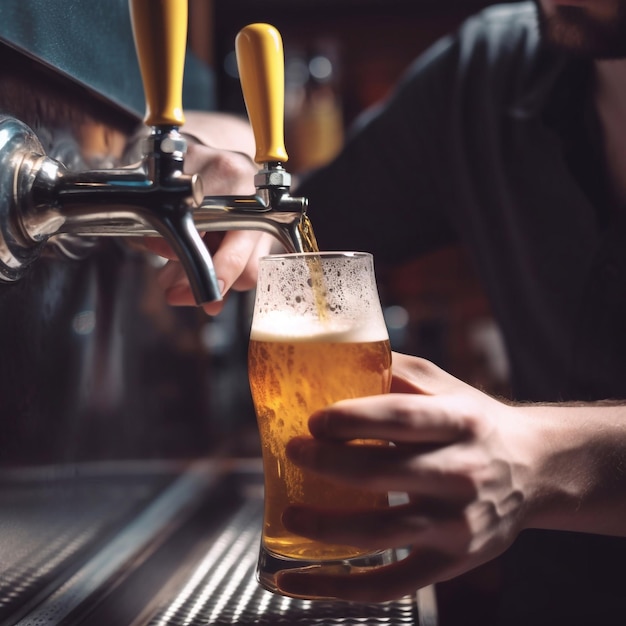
{"x": 462, "y": 457}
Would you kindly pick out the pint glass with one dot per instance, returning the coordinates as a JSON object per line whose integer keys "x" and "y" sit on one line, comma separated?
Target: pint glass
{"x": 318, "y": 336}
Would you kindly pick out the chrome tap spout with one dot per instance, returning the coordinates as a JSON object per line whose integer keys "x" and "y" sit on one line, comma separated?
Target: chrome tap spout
{"x": 152, "y": 195}
{"x": 272, "y": 210}
{"x": 254, "y": 213}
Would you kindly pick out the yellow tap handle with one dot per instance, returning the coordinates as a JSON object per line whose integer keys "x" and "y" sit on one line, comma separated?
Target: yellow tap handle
{"x": 160, "y": 31}
{"x": 261, "y": 65}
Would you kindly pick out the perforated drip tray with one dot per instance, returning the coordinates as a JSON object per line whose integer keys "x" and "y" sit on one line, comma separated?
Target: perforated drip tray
{"x": 223, "y": 590}
{"x": 186, "y": 556}
{"x": 53, "y": 519}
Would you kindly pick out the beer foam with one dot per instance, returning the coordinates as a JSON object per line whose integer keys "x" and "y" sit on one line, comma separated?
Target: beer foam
{"x": 282, "y": 326}
{"x": 345, "y": 308}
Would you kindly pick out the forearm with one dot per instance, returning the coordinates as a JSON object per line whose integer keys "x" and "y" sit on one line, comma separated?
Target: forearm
{"x": 579, "y": 474}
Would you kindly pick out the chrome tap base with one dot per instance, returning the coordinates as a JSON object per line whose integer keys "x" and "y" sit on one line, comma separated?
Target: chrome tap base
{"x": 18, "y": 145}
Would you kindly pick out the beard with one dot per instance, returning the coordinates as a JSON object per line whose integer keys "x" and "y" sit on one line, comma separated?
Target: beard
{"x": 573, "y": 29}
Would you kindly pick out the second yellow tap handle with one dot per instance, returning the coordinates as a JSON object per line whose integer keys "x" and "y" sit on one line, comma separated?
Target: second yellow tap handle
{"x": 260, "y": 60}
{"x": 160, "y": 30}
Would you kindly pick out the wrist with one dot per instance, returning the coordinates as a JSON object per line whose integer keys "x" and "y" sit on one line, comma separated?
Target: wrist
{"x": 576, "y": 480}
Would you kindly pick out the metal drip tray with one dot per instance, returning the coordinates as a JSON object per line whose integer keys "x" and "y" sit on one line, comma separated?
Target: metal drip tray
{"x": 52, "y": 520}
{"x": 223, "y": 589}
{"x": 156, "y": 548}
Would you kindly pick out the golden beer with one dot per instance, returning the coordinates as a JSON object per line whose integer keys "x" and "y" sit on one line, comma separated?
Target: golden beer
{"x": 289, "y": 381}
{"x": 318, "y": 336}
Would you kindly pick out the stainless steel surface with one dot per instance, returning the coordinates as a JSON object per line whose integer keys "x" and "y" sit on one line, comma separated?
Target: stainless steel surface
{"x": 222, "y": 588}
{"x": 147, "y": 526}
{"x": 54, "y": 517}
{"x": 154, "y": 544}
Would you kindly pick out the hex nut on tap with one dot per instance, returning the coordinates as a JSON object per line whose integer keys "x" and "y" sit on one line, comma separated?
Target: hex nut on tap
{"x": 165, "y": 143}
{"x": 276, "y": 177}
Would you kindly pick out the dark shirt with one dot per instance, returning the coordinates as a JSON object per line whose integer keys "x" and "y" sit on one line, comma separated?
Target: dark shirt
{"x": 479, "y": 146}
{"x": 491, "y": 142}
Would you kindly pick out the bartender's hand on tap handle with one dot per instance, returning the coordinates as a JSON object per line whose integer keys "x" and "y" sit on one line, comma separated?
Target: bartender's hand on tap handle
{"x": 221, "y": 150}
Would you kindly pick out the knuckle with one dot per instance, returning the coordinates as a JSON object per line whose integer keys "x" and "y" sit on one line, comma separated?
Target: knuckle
{"x": 232, "y": 263}
{"x": 227, "y": 169}
{"x": 468, "y": 417}
{"x": 403, "y": 413}
{"x": 422, "y": 369}
{"x": 230, "y": 165}
{"x": 232, "y": 258}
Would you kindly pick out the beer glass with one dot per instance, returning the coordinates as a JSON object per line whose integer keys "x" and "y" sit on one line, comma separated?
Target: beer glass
{"x": 318, "y": 336}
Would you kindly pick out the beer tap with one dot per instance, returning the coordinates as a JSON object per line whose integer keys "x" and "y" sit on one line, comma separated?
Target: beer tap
{"x": 272, "y": 209}
{"x": 41, "y": 200}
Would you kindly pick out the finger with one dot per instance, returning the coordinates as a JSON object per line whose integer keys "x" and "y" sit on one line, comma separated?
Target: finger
{"x": 415, "y": 375}
{"x": 155, "y": 245}
{"x": 407, "y": 418}
{"x": 220, "y": 130}
{"x": 236, "y": 259}
{"x": 223, "y": 172}
{"x": 414, "y": 469}
{"x": 389, "y": 582}
{"x": 248, "y": 279}
{"x": 228, "y": 265}
{"x": 173, "y": 280}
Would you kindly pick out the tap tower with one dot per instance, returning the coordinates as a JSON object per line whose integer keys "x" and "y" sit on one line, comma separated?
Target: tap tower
{"x": 41, "y": 199}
